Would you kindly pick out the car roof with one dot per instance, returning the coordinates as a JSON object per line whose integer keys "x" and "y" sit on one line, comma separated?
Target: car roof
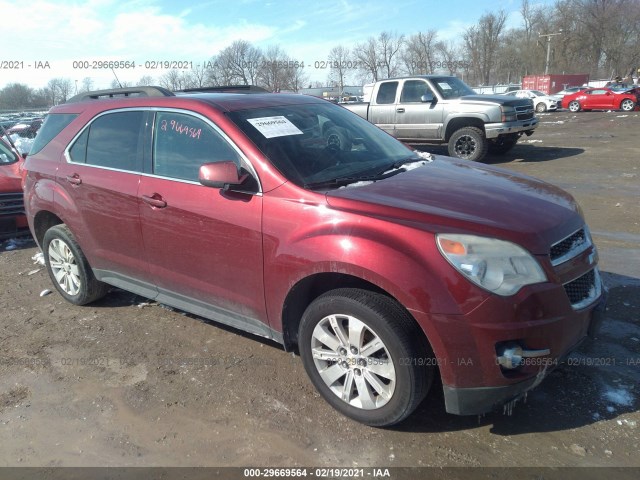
{"x": 220, "y": 101}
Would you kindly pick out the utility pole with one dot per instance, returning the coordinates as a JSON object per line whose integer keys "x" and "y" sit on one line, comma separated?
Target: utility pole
{"x": 548, "y": 35}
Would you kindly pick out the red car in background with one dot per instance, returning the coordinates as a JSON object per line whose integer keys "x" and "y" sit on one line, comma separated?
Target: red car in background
{"x": 601, "y": 99}
{"x": 12, "y": 219}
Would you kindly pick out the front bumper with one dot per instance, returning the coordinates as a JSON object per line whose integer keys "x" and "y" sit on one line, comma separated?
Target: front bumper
{"x": 480, "y": 400}
{"x": 493, "y": 130}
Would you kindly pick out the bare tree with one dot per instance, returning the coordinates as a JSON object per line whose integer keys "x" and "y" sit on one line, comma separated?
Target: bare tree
{"x": 482, "y": 42}
{"x": 145, "y": 81}
{"x": 15, "y": 96}
{"x": 420, "y": 53}
{"x": 389, "y": 46}
{"x": 274, "y": 72}
{"x": 366, "y": 54}
{"x": 242, "y": 62}
{"x": 340, "y": 63}
{"x": 87, "y": 84}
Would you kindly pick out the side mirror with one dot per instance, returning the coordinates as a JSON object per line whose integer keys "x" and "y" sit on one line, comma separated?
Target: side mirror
{"x": 427, "y": 98}
{"x": 220, "y": 175}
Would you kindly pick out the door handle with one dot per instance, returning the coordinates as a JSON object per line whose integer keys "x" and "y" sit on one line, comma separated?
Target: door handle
{"x": 400, "y": 110}
{"x": 155, "y": 200}
{"x": 74, "y": 179}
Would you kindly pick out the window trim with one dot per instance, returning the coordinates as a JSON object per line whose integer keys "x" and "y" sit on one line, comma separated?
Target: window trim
{"x": 149, "y": 133}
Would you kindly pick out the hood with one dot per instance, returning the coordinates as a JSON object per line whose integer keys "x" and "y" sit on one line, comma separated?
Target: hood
{"x": 499, "y": 99}
{"x": 456, "y": 196}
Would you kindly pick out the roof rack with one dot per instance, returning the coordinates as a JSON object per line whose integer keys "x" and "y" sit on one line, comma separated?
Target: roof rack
{"x": 122, "y": 92}
{"x": 226, "y": 89}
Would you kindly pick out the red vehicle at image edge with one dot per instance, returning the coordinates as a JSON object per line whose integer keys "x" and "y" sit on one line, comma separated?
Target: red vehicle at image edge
{"x": 12, "y": 218}
{"x": 602, "y": 99}
{"x": 292, "y": 218}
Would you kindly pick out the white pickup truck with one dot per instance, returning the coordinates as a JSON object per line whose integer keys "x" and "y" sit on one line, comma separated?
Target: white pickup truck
{"x": 443, "y": 109}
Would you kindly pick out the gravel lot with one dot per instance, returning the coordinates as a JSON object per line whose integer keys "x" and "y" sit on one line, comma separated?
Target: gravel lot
{"x": 125, "y": 382}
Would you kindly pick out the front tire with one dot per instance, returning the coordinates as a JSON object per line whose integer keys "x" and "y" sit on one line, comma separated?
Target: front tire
{"x": 363, "y": 353}
{"x": 541, "y": 107}
{"x": 574, "y": 106}
{"x": 69, "y": 269}
{"x": 627, "y": 105}
{"x": 468, "y": 143}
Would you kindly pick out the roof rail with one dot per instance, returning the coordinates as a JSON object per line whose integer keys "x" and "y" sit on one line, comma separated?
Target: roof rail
{"x": 226, "y": 89}
{"x": 122, "y": 92}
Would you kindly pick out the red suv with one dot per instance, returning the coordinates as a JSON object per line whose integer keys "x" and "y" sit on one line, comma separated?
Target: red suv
{"x": 12, "y": 219}
{"x": 294, "y": 219}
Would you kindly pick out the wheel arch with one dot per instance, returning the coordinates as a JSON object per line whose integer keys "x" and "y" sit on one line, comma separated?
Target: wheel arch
{"x": 43, "y": 221}
{"x": 460, "y": 122}
{"x": 311, "y": 287}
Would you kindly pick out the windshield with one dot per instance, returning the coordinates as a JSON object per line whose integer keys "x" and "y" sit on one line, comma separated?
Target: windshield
{"x": 6, "y": 154}
{"x": 538, "y": 93}
{"x": 451, "y": 87}
{"x": 315, "y": 143}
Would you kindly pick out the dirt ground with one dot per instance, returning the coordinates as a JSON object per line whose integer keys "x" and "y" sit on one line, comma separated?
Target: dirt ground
{"x": 127, "y": 383}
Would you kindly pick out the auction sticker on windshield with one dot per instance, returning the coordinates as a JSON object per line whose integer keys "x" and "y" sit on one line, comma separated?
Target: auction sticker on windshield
{"x": 272, "y": 127}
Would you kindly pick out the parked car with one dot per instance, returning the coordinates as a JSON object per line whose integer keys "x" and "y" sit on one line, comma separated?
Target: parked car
{"x": 600, "y": 99}
{"x": 294, "y": 219}
{"x": 26, "y": 129}
{"x": 567, "y": 91}
{"x": 12, "y": 218}
{"x": 442, "y": 109}
{"x": 541, "y": 101}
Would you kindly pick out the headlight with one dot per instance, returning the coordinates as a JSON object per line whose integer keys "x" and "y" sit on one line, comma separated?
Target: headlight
{"x": 508, "y": 114}
{"x": 495, "y": 265}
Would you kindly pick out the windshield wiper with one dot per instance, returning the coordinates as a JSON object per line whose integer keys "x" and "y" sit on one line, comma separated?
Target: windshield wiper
{"x": 400, "y": 163}
{"x": 342, "y": 181}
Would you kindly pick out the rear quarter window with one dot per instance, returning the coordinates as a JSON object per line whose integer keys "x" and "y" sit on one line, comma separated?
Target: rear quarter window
{"x": 52, "y": 126}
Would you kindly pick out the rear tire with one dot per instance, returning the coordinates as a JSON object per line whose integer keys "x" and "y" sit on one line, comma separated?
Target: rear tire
{"x": 468, "y": 143}
{"x": 627, "y": 105}
{"x": 365, "y": 356}
{"x": 69, "y": 269}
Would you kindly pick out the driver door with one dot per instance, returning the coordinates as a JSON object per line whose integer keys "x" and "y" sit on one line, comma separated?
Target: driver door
{"x": 203, "y": 245}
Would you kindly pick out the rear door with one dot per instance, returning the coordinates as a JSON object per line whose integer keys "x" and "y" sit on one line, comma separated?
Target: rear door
{"x": 382, "y": 109}
{"x": 100, "y": 180}
{"x": 204, "y": 245}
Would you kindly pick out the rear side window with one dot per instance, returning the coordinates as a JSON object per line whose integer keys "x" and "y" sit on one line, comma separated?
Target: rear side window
{"x": 113, "y": 140}
{"x": 182, "y": 143}
{"x": 387, "y": 93}
{"x": 52, "y": 126}
{"x": 413, "y": 90}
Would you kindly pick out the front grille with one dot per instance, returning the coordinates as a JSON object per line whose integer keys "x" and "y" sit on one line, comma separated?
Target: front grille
{"x": 524, "y": 112}
{"x": 584, "y": 290}
{"x": 11, "y": 204}
{"x": 569, "y": 247}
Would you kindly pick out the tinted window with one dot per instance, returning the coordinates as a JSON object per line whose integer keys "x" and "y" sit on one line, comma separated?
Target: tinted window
{"x": 182, "y": 143}
{"x": 78, "y": 152}
{"x": 52, "y": 126}
{"x": 314, "y": 142}
{"x": 387, "y": 92}
{"x": 115, "y": 141}
{"x": 413, "y": 90}
{"x": 6, "y": 155}
{"x": 451, "y": 87}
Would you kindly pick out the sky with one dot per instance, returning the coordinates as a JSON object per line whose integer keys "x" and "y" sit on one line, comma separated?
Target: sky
{"x": 43, "y": 39}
